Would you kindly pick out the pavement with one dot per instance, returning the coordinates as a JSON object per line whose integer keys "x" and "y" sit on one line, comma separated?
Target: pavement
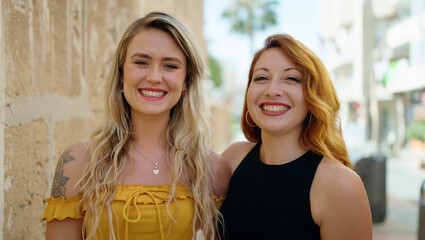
{"x": 401, "y": 222}
{"x": 404, "y": 179}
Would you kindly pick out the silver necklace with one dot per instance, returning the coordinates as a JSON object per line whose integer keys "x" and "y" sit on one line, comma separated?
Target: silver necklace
{"x": 155, "y": 170}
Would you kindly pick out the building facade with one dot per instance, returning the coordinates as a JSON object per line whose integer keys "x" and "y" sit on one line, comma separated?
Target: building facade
{"x": 377, "y": 62}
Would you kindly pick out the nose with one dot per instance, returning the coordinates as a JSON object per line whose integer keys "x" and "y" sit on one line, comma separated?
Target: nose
{"x": 154, "y": 75}
{"x": 274, "y": 89}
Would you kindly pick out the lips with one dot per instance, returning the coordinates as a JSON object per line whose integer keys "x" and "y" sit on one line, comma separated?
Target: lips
{"x": 152, "y": 93}
{"x": 274, "y": 107}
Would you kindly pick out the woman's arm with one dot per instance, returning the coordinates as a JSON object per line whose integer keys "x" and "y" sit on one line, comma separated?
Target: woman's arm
{"x": 67, "y": 229}
{"x": 222, "y": 176}
{"x": 225, "y": 165}
{"x": 339, "y": 203}
{"x": 68, "y": 171}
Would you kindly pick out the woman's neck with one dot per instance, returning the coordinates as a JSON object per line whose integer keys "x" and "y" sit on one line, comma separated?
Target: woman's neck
{"x": 150, "y": 132}
{"x": 280, "y": 149}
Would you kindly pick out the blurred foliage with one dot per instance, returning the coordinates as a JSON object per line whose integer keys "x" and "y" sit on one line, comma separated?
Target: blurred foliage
{"x": 416, "y": 130}
{"x": 250, "y": 16}
{"x": 216, "y": 71}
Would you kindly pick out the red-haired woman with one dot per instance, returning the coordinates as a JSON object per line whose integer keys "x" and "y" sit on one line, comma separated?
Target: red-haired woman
{"x": 293, "y": 180}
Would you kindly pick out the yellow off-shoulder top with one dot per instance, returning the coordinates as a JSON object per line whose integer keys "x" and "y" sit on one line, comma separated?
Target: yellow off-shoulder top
{"x": 141, "y": 212}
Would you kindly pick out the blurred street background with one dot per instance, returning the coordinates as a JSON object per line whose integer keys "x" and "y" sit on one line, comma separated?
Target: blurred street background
{"x": 375, "y": 52}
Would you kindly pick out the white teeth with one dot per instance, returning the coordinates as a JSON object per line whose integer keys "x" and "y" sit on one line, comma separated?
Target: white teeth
{"x": 152, "y": 93}
{"x": 274, "y": 108}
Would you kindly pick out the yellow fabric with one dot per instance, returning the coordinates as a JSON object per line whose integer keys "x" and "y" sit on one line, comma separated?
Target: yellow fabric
{"x": 61, "y": 208}
{"x": 218, "y": 201}
{"x": 141, "y": 212}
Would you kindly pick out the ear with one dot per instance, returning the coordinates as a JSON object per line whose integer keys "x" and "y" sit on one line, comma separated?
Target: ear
{"x": 184, "y": 89}
{"x": 184, "y": 86}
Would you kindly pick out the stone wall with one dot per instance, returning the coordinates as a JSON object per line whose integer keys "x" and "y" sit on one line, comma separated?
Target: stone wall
{"x": 55, "y": 57}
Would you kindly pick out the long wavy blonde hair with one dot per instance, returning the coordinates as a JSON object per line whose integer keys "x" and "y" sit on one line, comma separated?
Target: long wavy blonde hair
{"x": 321, "y": 131}
{"x": 188, "y": 137}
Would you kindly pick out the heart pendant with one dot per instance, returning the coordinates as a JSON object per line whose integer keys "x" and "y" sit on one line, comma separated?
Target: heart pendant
{"x": 155, "y": 171}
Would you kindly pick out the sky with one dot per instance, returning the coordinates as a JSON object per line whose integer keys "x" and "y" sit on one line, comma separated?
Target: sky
{"x": 298, "y": 18}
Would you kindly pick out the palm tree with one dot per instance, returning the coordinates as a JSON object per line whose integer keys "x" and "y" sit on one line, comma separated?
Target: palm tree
{"x": 250, "y": 16}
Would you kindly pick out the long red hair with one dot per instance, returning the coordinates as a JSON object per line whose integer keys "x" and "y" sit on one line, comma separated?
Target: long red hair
{"x": 321, "y": 132}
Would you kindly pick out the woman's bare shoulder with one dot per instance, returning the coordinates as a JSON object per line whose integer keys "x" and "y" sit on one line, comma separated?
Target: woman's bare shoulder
{"x": 338, "y": 178}
{"x": 235, "y": 153}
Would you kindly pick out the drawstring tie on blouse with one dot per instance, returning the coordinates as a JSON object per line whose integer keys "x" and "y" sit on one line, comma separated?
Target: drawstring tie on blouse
{"x": 133, "y": 198}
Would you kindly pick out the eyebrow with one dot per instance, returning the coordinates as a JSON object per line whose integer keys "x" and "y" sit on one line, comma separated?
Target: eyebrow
{"x": 143, "y": 55}
{"x": 285, "y": 70}
{"x": 262, "y": 68}
{"x": 289, "y": 69}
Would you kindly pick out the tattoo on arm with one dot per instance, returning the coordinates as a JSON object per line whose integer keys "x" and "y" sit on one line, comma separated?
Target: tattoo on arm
{"x": 59, "y": 181}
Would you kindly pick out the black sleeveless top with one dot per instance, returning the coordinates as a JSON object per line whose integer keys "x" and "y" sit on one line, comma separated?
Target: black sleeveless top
{"x": 270, "y": 201}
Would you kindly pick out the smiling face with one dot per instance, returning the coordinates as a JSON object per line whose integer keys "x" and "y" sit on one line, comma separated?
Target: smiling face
{"x": 154, "y": 73}
{"x": 275, "y": 98}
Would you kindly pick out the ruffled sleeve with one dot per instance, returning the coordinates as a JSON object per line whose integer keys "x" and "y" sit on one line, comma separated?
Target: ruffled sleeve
{"x": 218, "y": 201}
{"x": 61, "y": 208}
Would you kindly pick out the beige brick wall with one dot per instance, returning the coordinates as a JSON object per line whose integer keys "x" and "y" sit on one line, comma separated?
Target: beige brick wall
{"x": 25, "y": 164}
{"x": 55, "y": 57}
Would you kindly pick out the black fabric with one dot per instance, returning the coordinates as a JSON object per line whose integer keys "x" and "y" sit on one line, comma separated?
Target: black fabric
{"x": 270, "y": 201}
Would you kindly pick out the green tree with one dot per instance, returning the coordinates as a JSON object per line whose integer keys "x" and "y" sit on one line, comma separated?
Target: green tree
{"x": 249, "y": 16}
{"x": 215, "y": 71}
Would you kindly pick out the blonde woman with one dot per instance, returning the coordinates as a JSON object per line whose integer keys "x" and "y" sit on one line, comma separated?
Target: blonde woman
{"x": 148, "y": 171}
{"x": 293, "y": 180}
